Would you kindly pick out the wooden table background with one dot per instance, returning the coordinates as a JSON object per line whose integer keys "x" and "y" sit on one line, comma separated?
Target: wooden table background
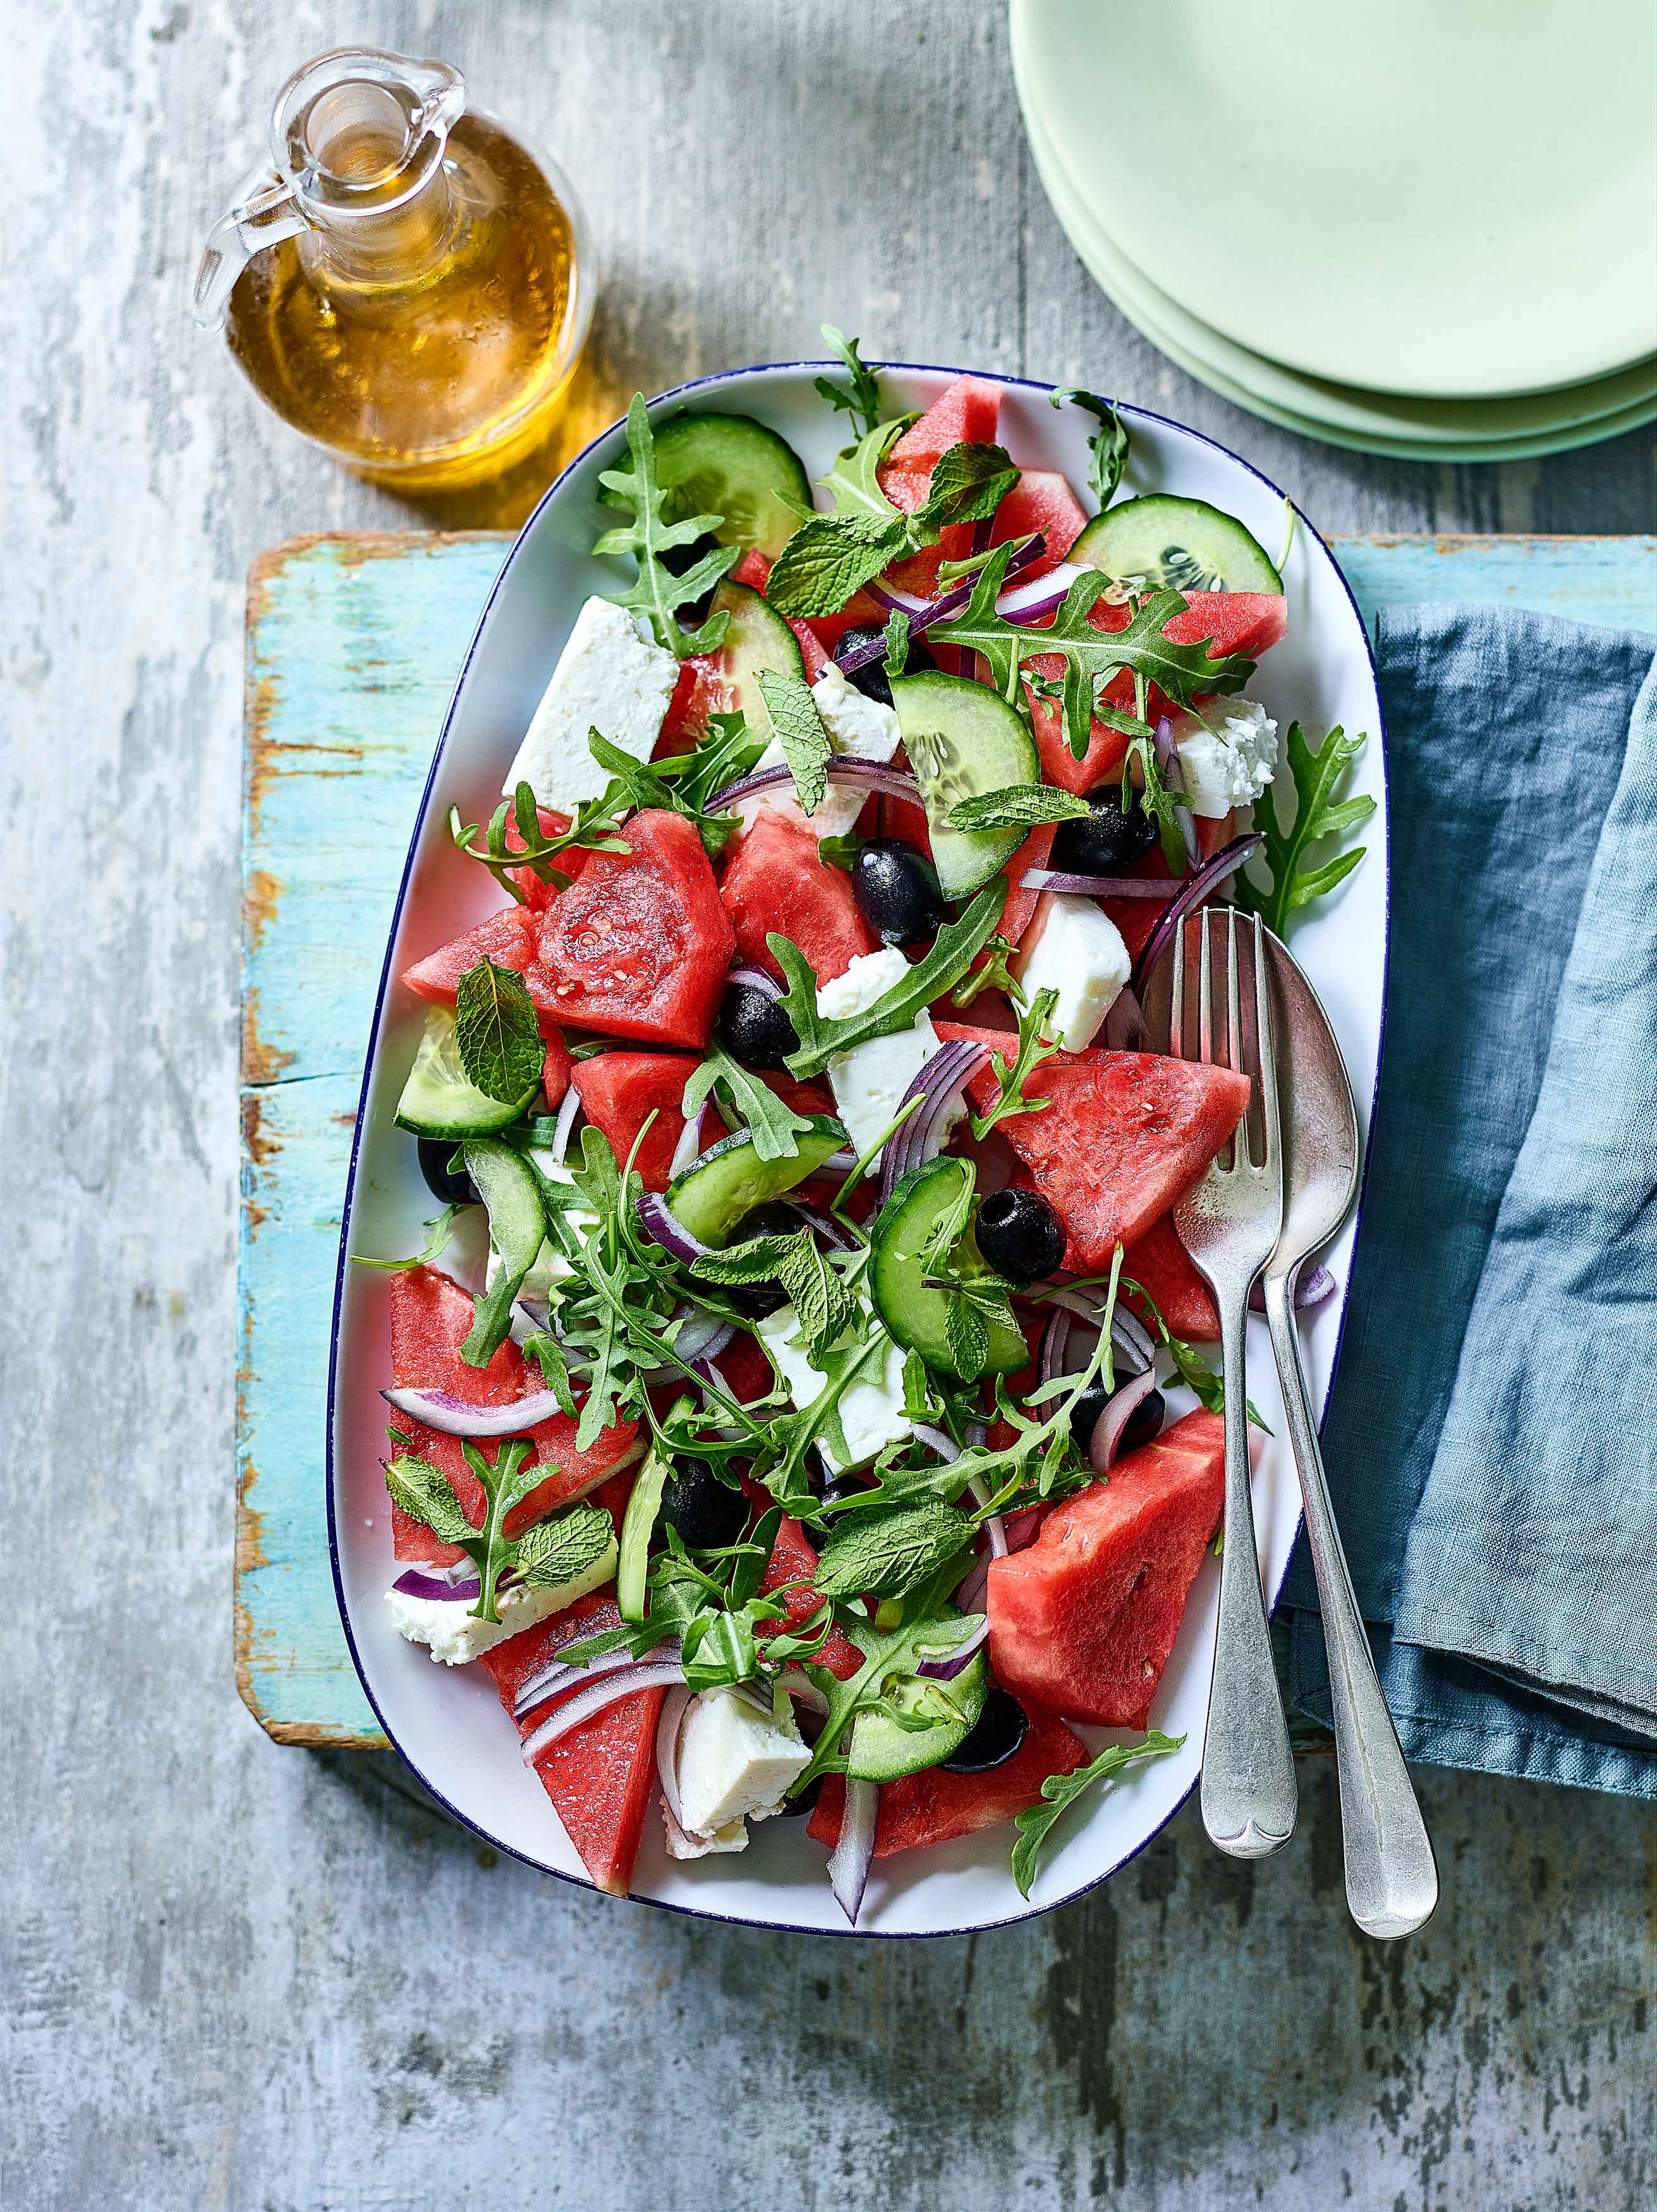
{"x": 241, "y": 1975}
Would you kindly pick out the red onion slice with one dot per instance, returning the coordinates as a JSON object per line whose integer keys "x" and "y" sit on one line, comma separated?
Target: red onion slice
{"x": 625, "y": 1682}
{"x": 689, "y": 1144}
{"x": 922, "y": 617}
{"x": 1061, "y": 879}
{"x": 940, "y": 1083}
{"x": 1310, "y": 1290}
{"x": 824, "y": 1225}
{"x": 935, "y": 1441}
{"x": 569, "y": 1107}
{"x": 675, "y": 1705}
{"x": 799, "y": 1683}
{"x": 872, "y": 776}
{"x": 949, "y": 1664}
{"x": 1191, "y": 893}
{"x": 756, "y": 980}
{"x": 657, "y": 1220}
{"x": 415, "y": 1585}
{"x": 454, "y": 1417}
{"x": 853, "y": 1856}
{"x": 559, "y": 1674}
{"x": 1168, "y": 759}
{"x": 1107, "y": 1438}
{"x": 969, "y": 1593}
{"x": 1055, "y": 1338}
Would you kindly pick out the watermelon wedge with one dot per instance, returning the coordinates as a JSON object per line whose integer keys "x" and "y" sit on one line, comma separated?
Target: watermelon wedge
{"x": 777, "y": 880}
{"x": 792, "y": 1561}
{"x": 1126, "y": 1137}
{"x": 601, "y": 1777}
{"x": 619, "y": 1089}
{"x": 1082, "y": 1619}
{"x": 1041, "y": 500}
{"x": 510, "y": 939}
{"x": 966, "y": 412}
{"x": 431, "y": 1318}
{"x": 1161, "y": 1262}
{"x": 934, "y": 1807}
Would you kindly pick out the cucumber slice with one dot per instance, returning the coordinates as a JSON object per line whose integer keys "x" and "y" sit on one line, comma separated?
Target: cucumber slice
{"x": 917, "y": 1316}
{"x": 730, "y": 464}
{"x": 1185, "y": 544}
{"x": 962, "y": 740}
{"x": 510, "y": 1189}
{"x": 437, "y": 1100}
{"x": 712, "y": 1195}
{"x": 884, "y": 1750}
{"x": 633, "y": 1557}
{"x": 758, "y": 639}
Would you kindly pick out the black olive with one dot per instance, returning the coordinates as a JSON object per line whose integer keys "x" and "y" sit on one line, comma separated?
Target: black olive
{"x": 454, "y": 1189}
{"x": 1108, "y": 840}
{"x": 806, "y": 1801}
{"x": 678, "y": 560}
{"x": 754, "y": 1028}
{"x": 1144, "y": 1422}
{"x": 707, "y": 1512}
{"x": 870, "y": 678}
{"x": 776, "y": 1218}
{"x": 897, "y": 889}
{"x": 1000, "y": 1729}
{"x": 1020, "y": 1234}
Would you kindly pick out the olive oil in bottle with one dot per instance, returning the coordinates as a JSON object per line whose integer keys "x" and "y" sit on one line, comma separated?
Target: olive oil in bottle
{"x": 409, "y": 288}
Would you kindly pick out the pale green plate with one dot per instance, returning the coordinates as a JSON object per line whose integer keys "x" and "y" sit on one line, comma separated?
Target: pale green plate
{"x": 1420, "y": 429}
{"x": 1449, "y": 197}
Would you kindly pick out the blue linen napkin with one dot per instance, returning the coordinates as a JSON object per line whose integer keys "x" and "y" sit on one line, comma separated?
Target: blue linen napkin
{"x": 1491, "y": 1438}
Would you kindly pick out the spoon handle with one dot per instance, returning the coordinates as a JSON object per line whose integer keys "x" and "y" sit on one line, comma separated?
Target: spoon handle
{"x": 1391, "y": 1879}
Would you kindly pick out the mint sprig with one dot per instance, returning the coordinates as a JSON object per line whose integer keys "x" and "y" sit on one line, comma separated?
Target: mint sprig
{"x": 889, "y": 1556}
{"x": 1017, "y": 806}
{"x": 496, "y": 1032}
{"x": 656, "y": 593}
{"x": 824, "y": 1299}
{"x": 1316, "y": 813}
{"x": 1060, "y": 1791}
{"x": 799, "y": 731}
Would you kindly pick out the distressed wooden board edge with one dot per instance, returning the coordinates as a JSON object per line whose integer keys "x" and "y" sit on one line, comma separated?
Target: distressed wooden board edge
{"x": 356, "y": 545}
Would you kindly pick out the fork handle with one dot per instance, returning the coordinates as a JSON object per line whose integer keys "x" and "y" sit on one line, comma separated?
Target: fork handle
{"x": 1392, "y": 1879}
{"x": 1248, "y": 1770}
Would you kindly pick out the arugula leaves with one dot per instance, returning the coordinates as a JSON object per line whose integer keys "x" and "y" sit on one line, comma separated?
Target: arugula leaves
{"x": 770, "y": 1121}
{"x": 824, "y": 1301}
{"x": 436, "y": 1244}
{"x": 1108, "y": 445}
{"x": 862, "y": 402}
{"x": 1315, "y": 813}
{"x": 799, "y": 731}
{"x": 831, "y": 557}
{"x": 553, "y": 1553}
{"x": 1060, "y": 1791}
{"x": 927, "y": 1630}
{"x": 1017, "y": 806}
{"x": 953, "y": 952}
{"x": 1157, "y": 798}
{"x": 891, "y": 1555}
{"x": 657, "y": 593}
{"x": 996, "y": 974}
{"x": 593, "y": 830}
{"x": 1032, "y": 1051}
{"x": 496, "y": 1032}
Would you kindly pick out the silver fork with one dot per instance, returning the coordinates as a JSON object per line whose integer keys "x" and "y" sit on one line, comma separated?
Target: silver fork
{"x": 1230, "y": 1225}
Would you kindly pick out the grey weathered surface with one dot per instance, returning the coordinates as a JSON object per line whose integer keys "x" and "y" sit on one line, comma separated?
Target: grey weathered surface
{"x": 242, "y": 1977}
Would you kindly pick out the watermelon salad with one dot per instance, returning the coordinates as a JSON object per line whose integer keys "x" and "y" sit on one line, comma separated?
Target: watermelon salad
{"x": 820, "y": 1436}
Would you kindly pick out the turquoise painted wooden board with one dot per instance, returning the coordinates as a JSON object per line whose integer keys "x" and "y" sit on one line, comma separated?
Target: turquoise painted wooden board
{"x": 353, "y": 647}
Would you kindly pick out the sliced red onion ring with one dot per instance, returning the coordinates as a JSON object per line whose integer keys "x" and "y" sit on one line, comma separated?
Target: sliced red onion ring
{"x": 675, "y": 1705}
{"x": 702, "y": 1335}
{"x": 935, "y": 1441}
{"x": 416, "y": 1585}
{"x": 1055, "y": 1338}
{"x": 657, "y": 1220}
{"x": 569, "y": 1107}
{"x": 833, "y": 1233}
{"x": 799, "y": 1683}
{"x": 1125, "y": 1022}
{"x": 850, "y": 1860}
{"x": 969, "y": 1592}
{"x": 940, "y": 1083}
{"x": 756, "y": 980}
{"x": 949, "y": 1664}
{"x": 1107, "y": 1438}
{"x": 1128, "y": 1333}
{"x": 526, "y": 1322}
{"x": 1168, "y": 759}
{"x": 1022, "y": 1528}
{"x": 1191, "y": 893}
{"x": 872, "y": 776}
{"x": 837, "y": 1163}
{"x": 625, "y": 1682}
{"x": 454, "y": 1417}
{"x": 1311, "y": 1291}
{"x": 1061, "y": 879}
{"x": 922, "y": 617}
{"x": 689, "y": 1144}
{"x": 559, "y": 1674}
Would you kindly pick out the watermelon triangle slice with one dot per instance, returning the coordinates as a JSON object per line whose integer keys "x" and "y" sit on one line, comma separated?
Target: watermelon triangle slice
{"x": 510, "y": 939}
{"x": 1083, "y": 1618}
{"x": 935, "y": 1807}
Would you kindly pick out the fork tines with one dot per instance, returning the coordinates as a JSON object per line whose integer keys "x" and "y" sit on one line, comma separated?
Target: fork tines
{"x": 1250, "y": 1052}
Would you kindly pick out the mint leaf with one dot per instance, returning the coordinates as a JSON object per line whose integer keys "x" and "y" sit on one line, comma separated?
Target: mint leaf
{"x": 799, "y": 731}
{"x": 496, "y": 1033}
{"x": 774, "y": 1125}
{"x": 862, "y": 402}
{"x": 1108, "y": 445}
{"x": 657, "y": 593}
{"x": 889, "y": 1556}
{"x": 425, "y": 1493}
{"x": 1060, "y": 1791}
{"x": 557, "y": 1551}
{"x": 967, "y": 485}
{"x": 953, "y": 952}
{"x": 829, "y": 558}
{"x": 1315, "y": 813}
{"x": 1017, "y": 806}
{"x": 442, "y": 1227}
{"x": 825, "y": 1303}
{"x": 966, "y": 1337}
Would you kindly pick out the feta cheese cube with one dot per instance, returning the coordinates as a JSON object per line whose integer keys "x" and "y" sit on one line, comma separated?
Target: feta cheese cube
{"x": 736, "y": 1762}
{"x": 1230, "y": 763}
{"x": 452, "y": 1634}
{"x": 857, "y": 726}
{"x": 869, "y": 1081}
{"x": 871, "y": 1409}
{"x": 612, "y": 677}
{"x": 1073, "y": 947}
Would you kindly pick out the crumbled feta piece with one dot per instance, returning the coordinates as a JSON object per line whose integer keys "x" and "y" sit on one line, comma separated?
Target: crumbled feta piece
{"x": 550, "y": 1264}
{"x": 453, "y": 1635}
{"x": 869, "y": 1081}
{"x": 612, "y": 677}
{"x": 1231, "y": 763}
{"x": 871, "y": 1409}
{"x": 736, "y": 1761}
{"x": 1073, "y": 947}
{"x": 857, "y": 726}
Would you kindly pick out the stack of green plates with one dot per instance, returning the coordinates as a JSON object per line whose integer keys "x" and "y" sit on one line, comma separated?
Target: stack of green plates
{"x": 1420, "y": 227}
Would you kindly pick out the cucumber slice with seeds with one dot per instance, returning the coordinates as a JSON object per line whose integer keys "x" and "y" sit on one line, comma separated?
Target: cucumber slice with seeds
{"x": 962, "y": 740}
{"x": 916, "y": 1315}
{"x": 437, "y": 1100}
{"x": 1186, "y": 544}
{"x": 712, "y": 1195}
{"x": 757, "y": 639}
{"x": 731, "y": 465}
{"x": 884, "y": 1750}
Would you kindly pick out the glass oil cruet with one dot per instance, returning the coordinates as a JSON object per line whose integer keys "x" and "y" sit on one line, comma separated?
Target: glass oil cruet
{"x": 410, "y": 287}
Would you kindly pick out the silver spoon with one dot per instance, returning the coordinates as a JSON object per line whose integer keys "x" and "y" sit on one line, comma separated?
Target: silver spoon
{"x": 1391, "y": 1879}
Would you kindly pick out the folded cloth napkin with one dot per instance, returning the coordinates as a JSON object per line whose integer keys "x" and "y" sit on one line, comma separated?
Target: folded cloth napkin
{"x": 1491, "y": 1437}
